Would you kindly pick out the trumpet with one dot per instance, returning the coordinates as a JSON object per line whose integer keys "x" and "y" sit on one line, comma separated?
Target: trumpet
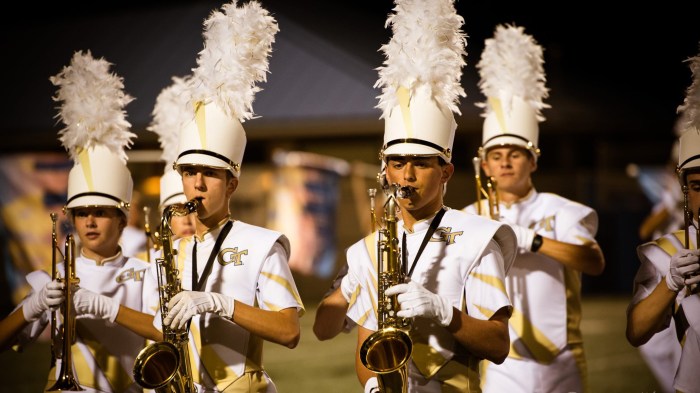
{"x": 490, "y": 193}
{"x": 387, "y": 351}
{"x": 165, "y": 365}
{"x": 66, "y": 380}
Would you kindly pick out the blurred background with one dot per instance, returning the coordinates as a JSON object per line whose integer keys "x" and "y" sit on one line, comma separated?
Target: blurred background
{"x": 615, "y": 80}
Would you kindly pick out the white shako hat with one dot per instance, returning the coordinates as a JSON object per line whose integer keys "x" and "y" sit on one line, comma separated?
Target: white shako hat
{"x": 96, "y": 133}
{"x": 420, "y": 78}
{"x": 170, "y": 115}
{"x": 513, "y": 81}
{"x": 689, "y": 141}
{"x": 237, "y": 44}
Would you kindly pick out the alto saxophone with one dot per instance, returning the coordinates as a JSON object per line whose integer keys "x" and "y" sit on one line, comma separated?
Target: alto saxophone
{"x": 165, "y": 366}
{"x": 386, "y": 352}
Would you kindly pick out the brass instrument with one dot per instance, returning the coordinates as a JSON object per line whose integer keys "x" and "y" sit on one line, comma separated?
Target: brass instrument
{"x": 66, "y": 380}
{"x": 372, "y": 215}
{"x": 151, "y": 238}
{"x": 165, "y": 365}
{"x": 490, "y": 193}
{"x": 387, "y": 351}
{"x": 688, "y": 216}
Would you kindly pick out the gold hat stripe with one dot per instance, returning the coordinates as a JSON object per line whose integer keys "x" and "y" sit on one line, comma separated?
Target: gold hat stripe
{"x": 87, "y": 169}
{"x": 200, "y": 119}
{"x": 498, "y": 110}
{"x": 404, "y": 102}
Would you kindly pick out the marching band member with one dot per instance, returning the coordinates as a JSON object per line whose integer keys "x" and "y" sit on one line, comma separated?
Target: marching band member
{"x": 556, "y": 236}
{"x": 238, "y": 290}
{"x": 666, "y": 284}
{"x": 453, "y": 288}
{"x": 108, "y": 298}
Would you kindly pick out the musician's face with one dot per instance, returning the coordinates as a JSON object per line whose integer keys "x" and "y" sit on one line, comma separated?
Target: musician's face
{"x": 213, "y": 186}
{"x": 426, "y": 175}
{"x": 511, "y": 167}
{"x": 99, "y": 229}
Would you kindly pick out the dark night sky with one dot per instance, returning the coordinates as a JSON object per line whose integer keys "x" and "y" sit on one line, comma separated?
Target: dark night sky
{"x": 619, "y": 70}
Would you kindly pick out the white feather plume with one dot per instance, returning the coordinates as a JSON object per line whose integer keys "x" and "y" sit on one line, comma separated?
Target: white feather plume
{"x": 690, "y": 109}
{"x": 170, "y": 114}
{"x": 512, "y": 65}
{"x": 237, "y": 44}
{"x": 92, "y": 106}
{"x": 427, "y": 48}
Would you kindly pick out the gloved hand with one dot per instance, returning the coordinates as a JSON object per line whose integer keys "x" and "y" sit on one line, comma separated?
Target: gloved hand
{"x": 348, "y": 286}
{"x": 92, "y": 305}
{"x": 186, "y": 304}
{"x": 525, "y": 237}
{"x": 372, "y": 385}
{"x": 49, "y": 297}
{"x": 684, "y": 269}
{"x": 417, "y": 301}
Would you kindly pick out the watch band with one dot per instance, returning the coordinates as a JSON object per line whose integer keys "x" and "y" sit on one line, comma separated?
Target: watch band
{"x": 536, "y": 243}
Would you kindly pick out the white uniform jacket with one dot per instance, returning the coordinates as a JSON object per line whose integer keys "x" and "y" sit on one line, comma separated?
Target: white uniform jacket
{"x": 465, "y": 261}
{"x": 655, "y": 257}
{"x": 104, "y": 353}
{"x": 546, "y": 295}
{"x": 251, "y": 266}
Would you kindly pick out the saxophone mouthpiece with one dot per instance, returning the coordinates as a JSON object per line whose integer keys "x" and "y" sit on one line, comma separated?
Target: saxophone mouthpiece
{"x": 192, "y": 204}
{"x": 404, "y": 192}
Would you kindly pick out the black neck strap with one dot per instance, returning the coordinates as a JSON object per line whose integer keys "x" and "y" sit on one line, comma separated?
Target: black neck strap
{"x": 197, "y": 284}
{"x": 426, "y": 239}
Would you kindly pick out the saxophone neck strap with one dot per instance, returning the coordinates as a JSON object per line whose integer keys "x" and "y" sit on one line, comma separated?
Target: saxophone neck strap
{"x": 197, "y": 284}
{"x": 426, "y": 239}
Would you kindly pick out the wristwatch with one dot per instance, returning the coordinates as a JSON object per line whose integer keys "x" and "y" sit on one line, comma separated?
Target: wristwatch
{"x": 536, "y": 243}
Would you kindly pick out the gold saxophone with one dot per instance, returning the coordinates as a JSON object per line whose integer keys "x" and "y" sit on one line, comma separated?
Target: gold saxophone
{"x": 490, "y": 193}
{"x": 165, "y": 365}
{"x": 66, "y": 380}
{"x": 386, "y": 352}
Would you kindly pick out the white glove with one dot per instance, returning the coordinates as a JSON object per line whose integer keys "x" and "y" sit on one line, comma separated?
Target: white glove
{"x": 684, "y": 269}
{"x": 91, "y": 305}
{"x": 186, "y": 304}
{"x": 348, "y": 286}
{"x": 372, "y": 385}
{"x": 525, "y": 237}
{"x": 49, "y": 297}
{"x": 417, "y": 301}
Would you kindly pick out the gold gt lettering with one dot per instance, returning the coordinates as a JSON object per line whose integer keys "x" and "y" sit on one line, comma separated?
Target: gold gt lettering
{"x": 131, "y": 274}
{"x": 231, "y": 255}
{"x": 445, "y": 234}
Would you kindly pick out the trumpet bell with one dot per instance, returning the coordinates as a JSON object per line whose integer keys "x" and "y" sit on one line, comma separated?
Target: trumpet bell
{"x": 156, "y": 365}
{"x": 386, "y": 350}
{"x": 66, "y": 383}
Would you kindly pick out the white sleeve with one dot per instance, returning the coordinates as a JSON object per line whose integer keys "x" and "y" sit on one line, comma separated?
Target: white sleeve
{"x": 276, "y": 287}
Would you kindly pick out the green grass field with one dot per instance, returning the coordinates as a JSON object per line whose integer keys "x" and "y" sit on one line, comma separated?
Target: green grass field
{"x": 314, "y": 366}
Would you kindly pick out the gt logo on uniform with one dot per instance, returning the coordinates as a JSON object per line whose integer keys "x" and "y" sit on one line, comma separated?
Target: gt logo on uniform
{"x": 131, "y": 274}
{"x": 445, "y": 234}
{"x": 231, "y": 255}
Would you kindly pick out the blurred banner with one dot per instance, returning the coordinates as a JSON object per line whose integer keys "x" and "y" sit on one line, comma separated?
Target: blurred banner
{"x": 33, "y": 186}
{"x": 304, "y": 197}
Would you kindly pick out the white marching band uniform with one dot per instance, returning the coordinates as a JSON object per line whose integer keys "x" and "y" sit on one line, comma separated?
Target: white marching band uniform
{"x": 104, "y": 352}
{"x": 655, "y": 257}
{"x": 251, "y": 267}
{"x": 470, "y": 252}
{"x": 545, "y": 334}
